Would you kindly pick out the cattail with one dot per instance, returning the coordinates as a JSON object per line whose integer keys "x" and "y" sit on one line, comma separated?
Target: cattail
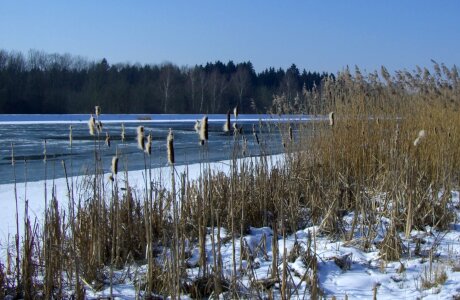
{"x": 99, "y": 126}
{"x": 236, "y": 111}
{"x": 140, "y": 138}
{"x": 197, "y": 126}
{"x": 114, "y": 167}
{"x": 331, "y": 118}
{"x": 97, "y": 110}
{"x": 70, "y": 136}
{"x": 123, "y": 135}
{"x": 107, "y": 139}
{"x": 91, "y": 125}
{"x": 148, "y": 145}
{"x": 227, "y": 122}
{"x": 291, "y": 137}
{"x": 421, "y": 136}
{"x": 204, "y": 129}
{"x": 170, "y": 148}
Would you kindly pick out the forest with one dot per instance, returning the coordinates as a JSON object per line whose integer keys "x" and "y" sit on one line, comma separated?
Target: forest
{"x": 43, "y": 83}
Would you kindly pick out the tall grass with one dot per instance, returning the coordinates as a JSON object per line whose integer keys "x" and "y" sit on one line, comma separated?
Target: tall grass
{"x": 386, "y": 146}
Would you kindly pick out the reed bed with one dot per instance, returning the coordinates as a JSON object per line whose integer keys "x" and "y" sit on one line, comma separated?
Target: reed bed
{"x": 388, "y": 148}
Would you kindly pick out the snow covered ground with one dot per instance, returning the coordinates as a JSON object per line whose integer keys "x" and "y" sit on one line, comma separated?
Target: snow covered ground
{"x": 344, "y": 269}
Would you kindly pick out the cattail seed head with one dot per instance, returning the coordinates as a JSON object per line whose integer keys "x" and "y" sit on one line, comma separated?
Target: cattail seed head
{"x": 70, "y": 136}
{"x": 114, "y": 167}
{"x": 227, "y": 122}
{"x": 123, "y": 135}
{"x": 170, "y": 147}
{"x": 140, "y": 138}
{"x": 97, "y": 110}
{"x": 236, "y": 111}
{"x": 99, "y": 126}
{"x": 291, "y": 136}
{"x": 331, "y": 118}
{"x": 107, "y": 139}
{"x": 91, "y": 125}
{"x": 148, "y": 145}
{"x": 204, "y": 129}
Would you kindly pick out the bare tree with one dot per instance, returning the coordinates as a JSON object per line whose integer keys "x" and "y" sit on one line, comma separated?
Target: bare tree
{"x": 165, "y": 84}
{"x": 240, "y": 81}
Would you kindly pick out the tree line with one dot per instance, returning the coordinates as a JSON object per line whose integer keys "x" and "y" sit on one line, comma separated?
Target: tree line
{"x": 38, "y": 82}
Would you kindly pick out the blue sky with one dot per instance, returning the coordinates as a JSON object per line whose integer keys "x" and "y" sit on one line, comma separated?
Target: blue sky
{"x": 316, "y": 35}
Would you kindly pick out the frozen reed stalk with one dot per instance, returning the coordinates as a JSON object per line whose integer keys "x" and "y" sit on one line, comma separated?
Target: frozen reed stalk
{"x": 254, "y": 132}
{"x": 236, "y": 129}
{"x": 97, "y": 110}
{"x": 331, "y": 118}
{"x": 148, "y": 145}
{"x": 70, "y": 136}
{"x": 421, "y": 136}
{"x": 44, "y": 151}
{"x": 170, "y": 144}
{"x": 114, "y": 167}
{"x": 236, "y": 111}
{"x": 204, "y": 129}
{"x": 107, "y": 139}
{"x": 91, "y": 125}
{"x": 123, "y": 134}
{"x": 227, "y": 122}
{"x": 140, "y": 138}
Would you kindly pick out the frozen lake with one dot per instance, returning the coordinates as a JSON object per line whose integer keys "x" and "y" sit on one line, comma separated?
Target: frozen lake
{"x": 27, "y": 133}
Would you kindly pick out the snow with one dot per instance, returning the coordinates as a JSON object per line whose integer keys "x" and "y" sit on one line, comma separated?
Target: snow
{"x": 364, "y": 273}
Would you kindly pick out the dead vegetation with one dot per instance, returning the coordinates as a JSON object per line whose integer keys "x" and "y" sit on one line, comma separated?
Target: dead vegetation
{"x": 390, "y": 150}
